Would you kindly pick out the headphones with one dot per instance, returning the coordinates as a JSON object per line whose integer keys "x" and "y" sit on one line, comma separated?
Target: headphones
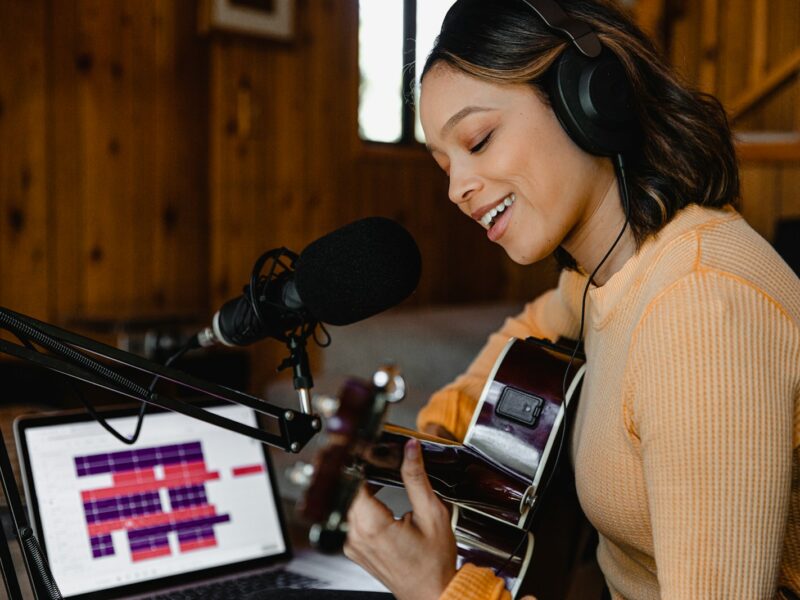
{"x": 588, "y": 87}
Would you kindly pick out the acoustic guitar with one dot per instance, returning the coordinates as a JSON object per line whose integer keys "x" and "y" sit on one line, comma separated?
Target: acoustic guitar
{"x": 494, "y": 480}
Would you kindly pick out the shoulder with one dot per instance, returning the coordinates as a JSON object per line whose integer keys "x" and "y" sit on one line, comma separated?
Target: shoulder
{"x": 717, "y": 264}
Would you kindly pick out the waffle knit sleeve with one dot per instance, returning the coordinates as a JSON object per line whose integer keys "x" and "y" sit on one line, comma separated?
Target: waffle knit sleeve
{"x": 550, "y": 316}
{"x": 475, "y": 583}
{"x": 709, "y": 399}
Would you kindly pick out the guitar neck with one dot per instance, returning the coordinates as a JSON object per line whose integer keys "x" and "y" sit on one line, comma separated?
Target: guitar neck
{"x": 457, "y": 473}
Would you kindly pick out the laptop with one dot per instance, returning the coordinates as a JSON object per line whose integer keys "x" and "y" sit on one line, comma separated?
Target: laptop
{"x": 189, "y": 506}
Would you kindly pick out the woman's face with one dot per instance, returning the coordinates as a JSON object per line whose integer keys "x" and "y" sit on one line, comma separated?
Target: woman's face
{"x": 504, "y": 149}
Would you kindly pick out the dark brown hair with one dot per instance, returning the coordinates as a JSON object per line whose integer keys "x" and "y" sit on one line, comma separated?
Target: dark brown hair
{"x": 687, "y": 154}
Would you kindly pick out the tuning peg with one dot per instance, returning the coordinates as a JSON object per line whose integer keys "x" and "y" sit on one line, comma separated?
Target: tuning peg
{"x": 390, "y": 383}
{"x": 325, "y": 405}
{"x": 300, "y": 474}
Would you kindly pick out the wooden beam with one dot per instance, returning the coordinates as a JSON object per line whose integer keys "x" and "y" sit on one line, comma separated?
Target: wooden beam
{"x": 768, "y": 151}
{"x": 758, "y": 63}
{"x": 649, "y": 16}
{"x": 756, "y": 93}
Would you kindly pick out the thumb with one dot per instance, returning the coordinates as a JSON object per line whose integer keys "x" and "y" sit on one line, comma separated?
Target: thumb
{"x": 415, "y": 479}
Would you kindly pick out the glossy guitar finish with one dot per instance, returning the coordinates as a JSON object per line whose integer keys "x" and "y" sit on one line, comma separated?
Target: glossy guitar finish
{"x": 492, "y": 479}
{"x": 517, "y": 420}
{"x": 457, "y": 473}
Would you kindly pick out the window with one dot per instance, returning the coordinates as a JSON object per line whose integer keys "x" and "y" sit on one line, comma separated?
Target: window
{"x": 394, "y": 36}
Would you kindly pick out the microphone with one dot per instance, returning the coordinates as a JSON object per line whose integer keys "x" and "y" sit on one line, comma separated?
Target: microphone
{"x": 348, "y": 275}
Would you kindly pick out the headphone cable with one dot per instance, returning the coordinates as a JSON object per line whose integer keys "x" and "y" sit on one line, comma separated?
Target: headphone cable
{"x": 619, "y": 165}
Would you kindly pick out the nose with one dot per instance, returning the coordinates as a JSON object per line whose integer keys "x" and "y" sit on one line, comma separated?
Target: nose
{"x": 464, "y": 183}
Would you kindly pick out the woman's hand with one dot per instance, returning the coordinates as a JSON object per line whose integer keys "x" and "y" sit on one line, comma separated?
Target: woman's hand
{"x": 415, "y": 557}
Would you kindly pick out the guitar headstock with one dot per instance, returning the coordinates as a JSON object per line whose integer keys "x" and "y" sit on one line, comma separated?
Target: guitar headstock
{"x": 337, "y": 473}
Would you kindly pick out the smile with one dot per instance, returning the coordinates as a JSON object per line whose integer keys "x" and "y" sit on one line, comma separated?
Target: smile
{"x": 487, "y": 220}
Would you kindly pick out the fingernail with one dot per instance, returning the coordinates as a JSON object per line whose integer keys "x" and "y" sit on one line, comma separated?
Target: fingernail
{"x": 412, "y": 449}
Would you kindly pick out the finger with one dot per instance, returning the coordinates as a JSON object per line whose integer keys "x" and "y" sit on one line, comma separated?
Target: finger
{"x": 415, "y": 479}
{"x": 368, "y": 514}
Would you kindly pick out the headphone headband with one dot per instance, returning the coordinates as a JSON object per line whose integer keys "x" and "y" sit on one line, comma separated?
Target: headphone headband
{"x": 588, "y": 87}
{"x": 583, "y": 36}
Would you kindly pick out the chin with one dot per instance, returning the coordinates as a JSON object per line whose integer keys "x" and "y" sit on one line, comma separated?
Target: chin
{"x": 523, "y": 258}
{"x": 528, "y": 255}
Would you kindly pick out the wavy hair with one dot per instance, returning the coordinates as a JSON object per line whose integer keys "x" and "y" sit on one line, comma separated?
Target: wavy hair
{"x": 687, "y": 154}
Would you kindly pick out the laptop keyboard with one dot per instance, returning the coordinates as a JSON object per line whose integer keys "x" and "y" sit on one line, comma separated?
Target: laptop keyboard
{"x": 239, "y": 587}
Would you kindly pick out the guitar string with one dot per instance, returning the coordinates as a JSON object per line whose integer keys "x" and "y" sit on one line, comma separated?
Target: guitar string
{"x": 619, "y": 165}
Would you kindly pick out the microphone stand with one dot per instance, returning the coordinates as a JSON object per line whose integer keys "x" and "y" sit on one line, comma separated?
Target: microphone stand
{"x": 298, "y": 360}
{"x": 73, "y": 355}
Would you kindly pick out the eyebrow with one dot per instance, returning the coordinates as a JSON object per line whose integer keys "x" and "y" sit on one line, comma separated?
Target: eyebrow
{"x": 454, "y": 120}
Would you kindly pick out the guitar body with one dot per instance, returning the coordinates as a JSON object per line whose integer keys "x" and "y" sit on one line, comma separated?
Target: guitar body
{"x": 492, "y": 480}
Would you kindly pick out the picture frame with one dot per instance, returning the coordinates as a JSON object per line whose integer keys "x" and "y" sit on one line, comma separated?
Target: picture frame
{"x": 261, "y": 18}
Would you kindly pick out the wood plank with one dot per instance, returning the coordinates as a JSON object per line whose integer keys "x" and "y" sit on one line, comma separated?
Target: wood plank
{"x": 760, "y": 197}
{"x": 709, "y": 48}
{"x": 760, "y": 26}
{"x": 649, "y": 16}
{"x": 684, "y": 40}
{"x": 24, "y": 249}
{"x": 180, "y": 151}
{"x": 768, "y": 152}
{"x": 771, "y": 80}
{"x": 68, "y": 61}
{"x": 789, "y": 199}
{"x": 103, "y": 103}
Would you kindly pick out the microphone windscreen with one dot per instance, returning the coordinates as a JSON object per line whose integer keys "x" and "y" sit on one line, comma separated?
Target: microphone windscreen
{"x": 358, "y": 271}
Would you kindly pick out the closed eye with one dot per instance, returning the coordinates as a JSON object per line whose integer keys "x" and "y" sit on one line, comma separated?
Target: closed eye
{"x": 480, "y": 145}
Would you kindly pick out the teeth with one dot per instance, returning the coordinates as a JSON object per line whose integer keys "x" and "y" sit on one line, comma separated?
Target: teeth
{"x": 487, "y": 219}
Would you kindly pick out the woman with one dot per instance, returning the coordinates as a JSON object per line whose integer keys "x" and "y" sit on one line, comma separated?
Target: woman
{"x": 685, "y": 439}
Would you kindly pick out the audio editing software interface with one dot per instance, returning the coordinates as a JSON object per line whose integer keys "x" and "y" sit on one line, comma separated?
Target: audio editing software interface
{"x": 186, "y": 496}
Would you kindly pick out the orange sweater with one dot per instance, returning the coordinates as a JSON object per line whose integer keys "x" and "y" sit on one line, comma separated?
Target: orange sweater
{"x": 686, "y": 437}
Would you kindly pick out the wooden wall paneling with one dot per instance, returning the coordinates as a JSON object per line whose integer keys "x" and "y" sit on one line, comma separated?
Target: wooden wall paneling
{"x": 24, "y": 268}
{"x": 770, "y": 99}
{"x": 709, "y": 46}
{"x": 735, "y": 49}
{"x": 69, "y": 59}
{"x": 324, "y": 60}
{"x": 113, "y": 285}
{"x": 221, "y": 123}
{"x": 128, "y": 115}
{"x": 249, "y": 215}
{"x": 684, "y": 37}
{"x": 289, "y": 223}
{"x": 180, "y": 277}
{"x": 782, "y": 113}
{"x": 760, "y": 196}
{"x": 241, "y": 215}
{"x": 790, "y": 198}
{"x": 135, "y": 274}
{"x": 760, "y": 36}
{"x": 649, "y": 16}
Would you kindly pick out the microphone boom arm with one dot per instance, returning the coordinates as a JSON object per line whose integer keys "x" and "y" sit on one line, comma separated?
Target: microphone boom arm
{"x": 284, "y": 428}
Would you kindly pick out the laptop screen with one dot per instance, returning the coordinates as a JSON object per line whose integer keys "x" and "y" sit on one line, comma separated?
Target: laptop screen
{"x": 187, "y": 497}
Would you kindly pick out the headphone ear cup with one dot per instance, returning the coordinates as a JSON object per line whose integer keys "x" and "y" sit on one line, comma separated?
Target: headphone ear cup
{"x": 593, "y": 101}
